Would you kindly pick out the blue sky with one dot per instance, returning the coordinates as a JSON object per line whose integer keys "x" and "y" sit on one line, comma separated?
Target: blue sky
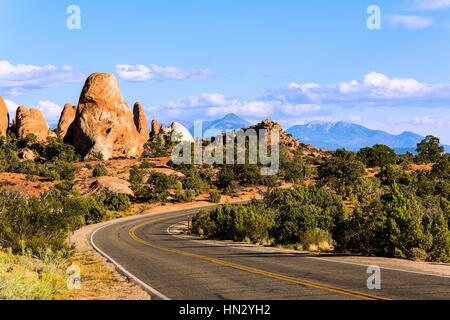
{"x": 292, "y": 61}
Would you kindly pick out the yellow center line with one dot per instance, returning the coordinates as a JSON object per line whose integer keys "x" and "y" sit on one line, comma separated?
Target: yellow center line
{"x": 250, "y": 269}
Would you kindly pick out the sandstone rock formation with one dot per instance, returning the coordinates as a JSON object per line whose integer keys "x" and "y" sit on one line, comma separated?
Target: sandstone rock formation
{"x": 155, "y": 128}
{"x": 31, "y": 121}
{"x": 4, "y": 117}
{"x": 26, "y": 154}
{"x": 285, "y": 139}
{"x": 112, "y": 184}
{"x": 66, "y": 120}
{"x": 104, "y": 123}
{"x": 140, "y": 120}
{"x": 163, "y": 128}
{"x": 178, "y": 131}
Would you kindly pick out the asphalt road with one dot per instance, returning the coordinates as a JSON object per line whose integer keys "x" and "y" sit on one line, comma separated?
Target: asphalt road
{"x": 183, "y": 269}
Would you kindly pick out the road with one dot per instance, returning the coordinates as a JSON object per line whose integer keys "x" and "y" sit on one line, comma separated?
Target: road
{"x": 177, "y": 268}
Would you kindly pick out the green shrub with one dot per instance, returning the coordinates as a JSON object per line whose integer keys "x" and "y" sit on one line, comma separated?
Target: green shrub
{"x": 378, "y": 156}
{"x": 100, "y": 170}
{"x": 185, "y": 196}
{"x": 137, "y": 175}
{"x": 214, "y": 196}
{"x": 236, "y": 223}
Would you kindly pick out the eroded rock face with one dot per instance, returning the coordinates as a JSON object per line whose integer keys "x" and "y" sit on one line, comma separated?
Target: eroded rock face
{"x": 284, "y": 139}
{"x": 66, "y": 120}
{"x": 31, "y": 121}
{"x": 26, "y": 154}
{"x": 140, "y": 120}
{"x": 163, "y": 128}
{"x": 112, "y": 184}
{"x": 104, "y": 123}
{"x": 4, "y": 117}
{"x": 155, "y": 128}
{"x": 180, "y": 133}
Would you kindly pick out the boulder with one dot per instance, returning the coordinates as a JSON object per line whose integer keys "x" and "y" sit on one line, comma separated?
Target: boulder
{"x": 66, "y": 120}
{"x": 104, "y": 123}
{"x": 26, "y": 154}
{"x": 155, "y": 128}
{"x": 178, "y": 131}
{"x": 31, "y": 121}
{"x": 4, "y": 117}
{"x": 112, "y": 184}
{"x": 284, "y": 139}
{"x": 140, "y": 120}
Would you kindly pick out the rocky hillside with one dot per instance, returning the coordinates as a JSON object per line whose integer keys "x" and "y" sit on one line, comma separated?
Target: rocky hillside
{"x": 101, "y": 125}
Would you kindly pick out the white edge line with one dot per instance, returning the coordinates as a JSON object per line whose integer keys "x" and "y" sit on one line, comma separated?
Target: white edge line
{"x": 292, "y": 254}
{"x": 123, "y": 270}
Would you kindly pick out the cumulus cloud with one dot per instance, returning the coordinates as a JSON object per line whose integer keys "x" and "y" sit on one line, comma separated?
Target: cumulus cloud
{"x": 431, "y": 4}
{"x": 354, "y": 118}
{"x": 21, "y": 78}
{"x": 50, "y": 110}
{"x": 411, "y": 22}
{"x": 12, "y": 107}
{"x": 375, "y": 89}
{"x": 215, "y": 104}
{"x": 142, "y": 73}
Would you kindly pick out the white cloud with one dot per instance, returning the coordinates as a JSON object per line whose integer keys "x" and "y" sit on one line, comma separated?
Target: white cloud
{"x": 50, "y": 110}
{"x": 215, "y": 104}
{"x": 142, "y": 73}
{"x": 354, "y": 118}
{"x": 12, "y": 107}
{"x": 411, "y": 22}
{"x": 375, "y": 89}
{"x": 431, "y": 4}
{"x": 20, "y": 79}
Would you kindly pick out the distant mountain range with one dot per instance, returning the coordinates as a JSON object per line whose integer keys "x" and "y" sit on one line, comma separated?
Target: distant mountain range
{"x": 228, "y": 123}
{"x": 324, "y": 135}
{"x": 335, "y": 135}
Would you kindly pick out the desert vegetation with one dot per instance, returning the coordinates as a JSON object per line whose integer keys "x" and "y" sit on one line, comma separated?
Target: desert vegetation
{"x": 396, "y": 212}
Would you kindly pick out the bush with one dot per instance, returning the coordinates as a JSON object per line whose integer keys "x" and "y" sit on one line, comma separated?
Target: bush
{"x": 378, "y": 156}
{"x": 193, "y": 181}
{"x": 100, "y": 170}
{"x": 429, "y": 150}
{"x": 137, "y": 175}
{"x": 236, "y": 223}
{"x": 214, "y": 196}
{"x": 341, "y": 170}
{"x": 185, "y": 196}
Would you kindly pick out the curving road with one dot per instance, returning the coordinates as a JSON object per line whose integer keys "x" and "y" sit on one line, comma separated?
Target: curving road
{"x": 172, "y": 267}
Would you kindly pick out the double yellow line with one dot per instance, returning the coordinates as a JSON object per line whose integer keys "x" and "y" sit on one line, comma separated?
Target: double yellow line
{"x": 307, "y": 283}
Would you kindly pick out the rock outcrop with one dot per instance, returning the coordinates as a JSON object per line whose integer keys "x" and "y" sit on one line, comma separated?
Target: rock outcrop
{"x": 179, "y": 133}
{"x": 112, "y": 184}
{"x": 140, "y": 120}
{"x": 155, "y": 128}
{"x": 66, "y": 120}
{"x": 104, "y": 123}
{"x": 31, "y": 121}
{"x": 163, "y": 128}
{"x": 4, "y": 117}
{"x": 26, "y": 154}
{"x": 285, "y": 139}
